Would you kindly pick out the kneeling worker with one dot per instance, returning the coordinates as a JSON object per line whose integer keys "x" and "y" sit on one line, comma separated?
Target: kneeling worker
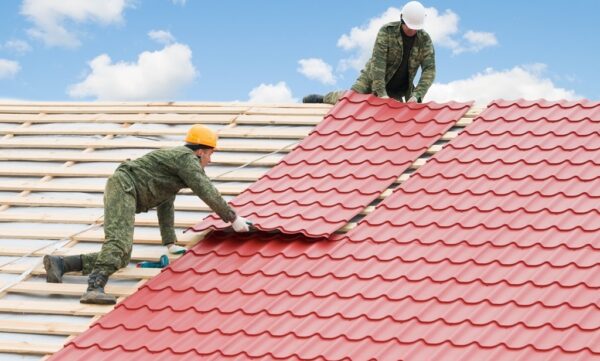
{"x": 137, "y": 186}
{"x": 401, "y": 48}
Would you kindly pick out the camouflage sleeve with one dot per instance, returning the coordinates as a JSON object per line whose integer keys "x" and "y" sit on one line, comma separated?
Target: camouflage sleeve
{"x": 427, "y": 70}
{"x": 194, "y": 176}
{"x": 166, "y": 221}
{"x": 379, "y": 60}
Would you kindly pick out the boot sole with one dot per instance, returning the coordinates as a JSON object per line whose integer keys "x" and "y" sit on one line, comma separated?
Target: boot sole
{"x": 47, "y": 266}
{"x": 98, "y": 302}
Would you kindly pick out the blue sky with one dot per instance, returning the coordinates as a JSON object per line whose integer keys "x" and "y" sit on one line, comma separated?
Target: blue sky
{"x": 275, "y": 50}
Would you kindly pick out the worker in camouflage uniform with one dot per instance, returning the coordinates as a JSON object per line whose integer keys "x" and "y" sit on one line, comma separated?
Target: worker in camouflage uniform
{"x": 137, "y": 186}
{"x": 400, "y": 49}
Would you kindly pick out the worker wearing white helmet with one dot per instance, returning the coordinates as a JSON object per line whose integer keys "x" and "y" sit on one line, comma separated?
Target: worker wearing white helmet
{"x": 401, "y": 48}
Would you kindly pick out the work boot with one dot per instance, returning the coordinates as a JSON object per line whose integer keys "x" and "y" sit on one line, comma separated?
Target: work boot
{"x": 95, "y": 291}
{"x": 57, "y": 266}
{"x": 313, "y": 98}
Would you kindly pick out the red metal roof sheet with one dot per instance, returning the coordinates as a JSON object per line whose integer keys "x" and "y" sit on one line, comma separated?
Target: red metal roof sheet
{"x": 361, "y": 147}
{"x": 478, "y": 266}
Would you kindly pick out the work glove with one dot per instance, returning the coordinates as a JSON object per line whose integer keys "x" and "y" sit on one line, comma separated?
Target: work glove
{"x": 175, "y": 249}
{"x": 241, "y": 224}
{"x": 385, "y": 97}
{"x": 413, "y": 100}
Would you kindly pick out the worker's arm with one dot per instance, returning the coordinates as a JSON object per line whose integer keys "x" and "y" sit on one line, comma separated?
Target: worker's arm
{"x": 166, "y": 221}
{"x": 379, "y": 63}
{"x": 193, "y": 175}
{"x": 428, "y": 69}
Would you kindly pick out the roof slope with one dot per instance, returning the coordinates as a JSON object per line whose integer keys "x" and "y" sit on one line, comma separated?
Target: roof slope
{"x": 463, "y": 261}
{"x": 54, "y": 161}
{"x": 362, "y": 146}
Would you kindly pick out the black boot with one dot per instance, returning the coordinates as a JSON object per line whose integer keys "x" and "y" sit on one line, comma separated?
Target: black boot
{"x": 313, "y": 98}
{"x": 95, "y": 291}
{"x": 57, "y": 266}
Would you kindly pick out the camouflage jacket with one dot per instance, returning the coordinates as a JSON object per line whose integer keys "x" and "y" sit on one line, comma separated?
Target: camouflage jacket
{"x": 160, "y": 174}
{"x": 386, "y": 59}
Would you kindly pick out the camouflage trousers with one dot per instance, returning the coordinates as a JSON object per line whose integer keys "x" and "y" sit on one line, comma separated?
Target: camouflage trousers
{"x": 119, "y": 217}
{"x": 334, "y": 96}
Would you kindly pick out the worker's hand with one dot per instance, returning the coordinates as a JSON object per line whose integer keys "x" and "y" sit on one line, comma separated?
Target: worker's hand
{"x": 384, "y": 97}
{"x": 413, "y": 100}
{"x": 240, "y": 224}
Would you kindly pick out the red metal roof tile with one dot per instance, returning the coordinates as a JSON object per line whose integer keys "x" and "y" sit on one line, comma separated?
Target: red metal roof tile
{"x": 359, "y": 149}
{"x": 458, "y": 263}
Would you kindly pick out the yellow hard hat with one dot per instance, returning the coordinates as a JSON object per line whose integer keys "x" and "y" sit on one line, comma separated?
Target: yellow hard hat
{"x": 199, "y": 134}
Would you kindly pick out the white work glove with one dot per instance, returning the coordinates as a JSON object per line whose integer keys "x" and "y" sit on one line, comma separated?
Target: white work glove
{"x": 175, "y": 249}
{"x": 240, "y": 224}
{"x": 412, "y": 100}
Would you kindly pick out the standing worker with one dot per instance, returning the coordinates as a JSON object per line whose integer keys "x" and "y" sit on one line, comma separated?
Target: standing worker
{"x": 400, "y": 49}
{"x": 137, "y": 186}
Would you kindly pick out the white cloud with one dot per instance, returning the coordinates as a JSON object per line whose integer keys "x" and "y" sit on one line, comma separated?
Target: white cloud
{"x": 18, "y": 46}
{"x": 179, "y": 2}
{"x": 157, "y": 75}
{"x": 526, "y": 81}
{"x": 442, "y": 27}
{"x": 317, "y": 69}
{"x": 476, "y": 40}
{"x": 8, "y": 68}
{"x": 271, "y": 93}
{"x": 161, "y": 36}
{"x": 49, "y": 17}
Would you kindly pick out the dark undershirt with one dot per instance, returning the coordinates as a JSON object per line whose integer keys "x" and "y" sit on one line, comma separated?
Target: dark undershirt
{"x": 398, "y": 85}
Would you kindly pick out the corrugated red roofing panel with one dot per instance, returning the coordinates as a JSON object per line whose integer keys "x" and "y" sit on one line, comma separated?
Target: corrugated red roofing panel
{"x": 360, "y": 148}
{"x": 478, "y": 266}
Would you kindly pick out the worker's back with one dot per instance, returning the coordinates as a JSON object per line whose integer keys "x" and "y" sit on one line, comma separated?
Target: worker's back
{"x": 155, "y": 175}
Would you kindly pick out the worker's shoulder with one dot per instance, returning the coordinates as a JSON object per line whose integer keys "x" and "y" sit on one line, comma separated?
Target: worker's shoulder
{"x": 174, "y": 153}
{"x": 394, "y": 25}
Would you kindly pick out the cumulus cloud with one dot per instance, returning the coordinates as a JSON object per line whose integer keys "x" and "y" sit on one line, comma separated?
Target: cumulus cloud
{"x": 8, "y": 68}
{"x": 272, "y": 93}
{"x": 442, "y": 27}
{"x": 157, "y": 75}
{"x": 18, "y": 46}
{"x": 161, "y": 36}
{"x": 49, "y": 17}
{"x": 476, "y": 40}
{"x": 525, "y": 81}
{"x": 317, "y": 69}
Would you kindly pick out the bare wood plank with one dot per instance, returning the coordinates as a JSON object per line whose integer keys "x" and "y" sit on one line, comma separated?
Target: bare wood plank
{"x": 255, "y": 119}
{"x": 67, "y": 289}
{"x": 217, "y": 158}
{"x": 54, "y": 308}
{"x": 28, "y": 348}
{"x": 226, "y": 146}
{"x": 6, "y": 103}
{"x": 170, "y": 119}
{"x": 43, "y": 328}
{"x": 240, "y": 175}
{"x": 89, "y": 236}
{"x": 48, "y": 187}
{"x": 124, "y": 273}
{"x": 288, "y": 111}
{"x": 41, "y": 201}
{"x": 265, "y": 133}
{"x": 463, "y": 122}
{"x": 181, "y": 222}
{"x": 137, "y": 254}
{"x": 33, "y": 109}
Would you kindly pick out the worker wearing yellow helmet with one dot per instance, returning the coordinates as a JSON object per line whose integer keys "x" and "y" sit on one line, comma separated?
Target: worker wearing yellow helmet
{"x": 137, "y": 186}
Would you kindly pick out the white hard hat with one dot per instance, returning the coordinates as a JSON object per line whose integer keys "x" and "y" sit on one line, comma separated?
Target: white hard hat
{"x": 413, "y": 14}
